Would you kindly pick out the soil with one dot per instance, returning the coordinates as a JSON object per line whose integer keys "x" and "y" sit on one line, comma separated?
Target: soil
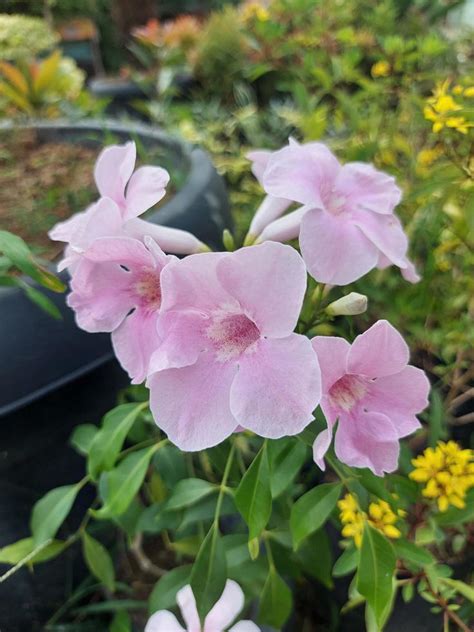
{"x": 41, "y": 184}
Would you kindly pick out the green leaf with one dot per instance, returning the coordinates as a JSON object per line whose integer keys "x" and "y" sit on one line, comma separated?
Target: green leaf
{"x": 460, "y": 587}
{"x": 15, "y": 553}
{"x": 410, "y": 552}
{"x": 276, "y": 601}
{"x": 286, "y": 464}
{"x": 315, "y": 557}
{"x": 253, "y": 496}
{"x": 98, "y": 560}
{"x": 50, "y": 512}
{"x": 109, "y": 439}
{"x": 21, "y": 257}
{"x": 42, "y": 301}
{"x": 121, "y": 622}
{"x": 163, "y": 595}
{"x": 188, "y": 492}
{"x": 209, "y": 572}
{"x": 122, "y": 483}
{"x": 311, "y": 511}
{"x": 82, "y": 437}
{"x": 375, "y": 573}
{"x": 454, "y": 516}
{"x": 347, "y": 562}
{"x": 437, "y": 425}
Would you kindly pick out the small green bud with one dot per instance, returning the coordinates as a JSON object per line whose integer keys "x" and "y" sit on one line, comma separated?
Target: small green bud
{"x": 348, "y": 305}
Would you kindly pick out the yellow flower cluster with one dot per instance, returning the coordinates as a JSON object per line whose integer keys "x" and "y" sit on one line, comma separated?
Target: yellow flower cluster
{"x": 459, "y": 90}
{"x": 440, "y": 109}
{"x": 380, "y": 515}
{"x": 448, "y": 472}
{"x": 255, "y": 11}
{"x": 428, "y": 156}
{"x": 380, "y": 69}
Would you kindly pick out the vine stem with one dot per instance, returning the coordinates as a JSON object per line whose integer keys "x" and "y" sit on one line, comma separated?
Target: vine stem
{"x": 25, "y": 560}
{"x": 223, "y": 488}
{"x": 336, "y": 467}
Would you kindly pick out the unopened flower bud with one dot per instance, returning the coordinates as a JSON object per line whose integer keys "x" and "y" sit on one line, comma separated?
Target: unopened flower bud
{"x": 228, "y": 240}
{"x": 348, "y": 305}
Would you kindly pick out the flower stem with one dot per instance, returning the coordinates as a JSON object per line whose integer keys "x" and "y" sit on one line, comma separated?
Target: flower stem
{"x": 223, "y": 488}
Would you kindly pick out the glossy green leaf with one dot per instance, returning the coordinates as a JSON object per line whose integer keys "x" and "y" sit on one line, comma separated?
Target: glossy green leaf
{"x": 253, "y": 496}
{"x": 163, "y": 595}
{"x": 311, "y": 510}
{"x": 315, "y": 557}
{"x": 410, "y": 552}
{"x": 460, "y": 587}
{"x": 42, "y": 301}
{"x": 121, "y": 622}
{"x": 276, "y": 601}
{"x": 375, "y": 572}
{"x": 15, "y": 553}
{"x": 50, "y": 512}
{"x": 109, "y": 439}
{"x": 347, "y": 562}
{"x": 82, "y": 438}
{"x": 286, "y": 464}
{"x": 209, "y": 572}
{"x": 98, "y": 560}
{"x": 188, "y": 492}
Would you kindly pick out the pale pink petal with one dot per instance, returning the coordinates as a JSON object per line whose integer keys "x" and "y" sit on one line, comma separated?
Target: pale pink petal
{"x": 385, "y": 232}
{"x": 113, "y": 170}
{"x": 191, "y": 404}
{"x": 182, "y": 339}
{"x": 259, "y": 158}
{"x": 334, "y": 251}
{"x": 321, "y": 446}
{"x": 269, "y": 282}
{"x": 302, "y": 173}
{"x": 400, "y": 396}
{"x": 146, "y": 187}
{"x": 277, "y": 388}
{"x": 163, "y": 621}
{"x": 187, "y": 604}
{"x": 121, "y": 250}
{"x": 65, "y": 231}
{"x": 161, "y": 259}
{"x": 409, "y": 272}
{"x": 367, "y": 440}
{"x": 226, "y": 609}
{"x": 173, "y": 240}
{"x": 134, "y": 342}
{"x": 192, "y": 283}
{"x": 332, "y": 354}
{"x": 244, "y": 626}
{"x": 366, "y": 188}
{"x": 285, "y": 228}
{"x": 100, "y": 296}
{"x": 379, "y": 351}
{"x": 267, "y": 212}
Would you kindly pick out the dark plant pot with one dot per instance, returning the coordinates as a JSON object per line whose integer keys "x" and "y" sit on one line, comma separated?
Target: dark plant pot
{"x": 54, "y": 376}
{"x": 120, "y": 92}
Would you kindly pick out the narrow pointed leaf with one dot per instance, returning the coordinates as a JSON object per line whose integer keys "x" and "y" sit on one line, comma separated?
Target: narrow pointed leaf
{"x": 253, "y": 497}
{"x": 99, "y": 561}
{"x": 311, "y": 510}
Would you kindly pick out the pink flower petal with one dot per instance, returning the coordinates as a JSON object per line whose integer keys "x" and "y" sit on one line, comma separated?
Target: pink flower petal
{"x": 379, "y": 351}
{"x": 191, "y": 404}
{"x": 187, "y": 604}
{"x": 113, "y": 170}
{"x": 121, "y": 250}
{"x": 385, "y": 232}
{"x": 400, "y": 396}
{"x": 277, "y": 388}
{"x": 259, "y": 158}
{"x": 334, "y": 251}
{"x": 366, "y": 188}
{"x": 284, "y": 228}
{"x": 302, "y": 173}
{"x": 182, "y": 340}
{"x": 321, "y": 446}
{"x": 163, "y": 621}
{"x": 269, "y": 282}
{"x": 226, "y": 609}
{"x": 173, "y": 240}
{"x": 244, "y": 626}
{"x": 100, "y": 296}
{"x": 146, "y": 187}
{"x": 267, "y": 212}
{"x": 332, "y": 354}
{"x": 409, "y": 272}
{"x": 368, "y": 440}
{"x": 134, "y": 342}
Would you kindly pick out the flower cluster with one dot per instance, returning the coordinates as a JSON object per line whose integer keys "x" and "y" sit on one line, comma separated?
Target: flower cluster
{"x": 213, "y": 333}
{"x": 448, "y": 472}
{"x": 443, "y": 111}
{"x": 380, "y": 515}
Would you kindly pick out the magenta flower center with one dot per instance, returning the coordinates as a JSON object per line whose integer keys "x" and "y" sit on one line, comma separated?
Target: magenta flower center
{"x": 348, "y": 391}
{"x": 232, "y": 334}
{"x": 147, "y": 288}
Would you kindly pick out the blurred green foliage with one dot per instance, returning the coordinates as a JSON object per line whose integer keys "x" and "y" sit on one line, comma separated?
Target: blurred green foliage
{"x": 22, "y": 36}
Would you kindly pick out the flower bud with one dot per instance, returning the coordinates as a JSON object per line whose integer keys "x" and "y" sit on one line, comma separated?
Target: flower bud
{"x": 348, "y": 305}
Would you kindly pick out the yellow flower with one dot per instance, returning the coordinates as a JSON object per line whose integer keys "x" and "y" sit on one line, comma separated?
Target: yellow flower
{"x": 439, "y": 110}
{"x": 448, "y": 472}
{"x": 469, "y": 92}
{"x": 380, "y": 69}
{"x": 254, "y": 10}
{"x": 458, "y": 90}
{"x": 380, "y": 516}
{"x": 427, "y": 157}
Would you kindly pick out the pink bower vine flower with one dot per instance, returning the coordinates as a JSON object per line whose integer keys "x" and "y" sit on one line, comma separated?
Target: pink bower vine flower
{"x": 373, "y": 394}
{"x": 219, "y": 618}
{"x": 116, "y": 288}
{"x": 346, "y": 225}
{"x": 125, "y": 195}
{"x": 228, "y": 356}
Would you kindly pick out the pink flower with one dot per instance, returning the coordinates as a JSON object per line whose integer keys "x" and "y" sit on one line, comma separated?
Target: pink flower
{"x": 228, "y": 355}
{"x": 115, "y": 276}
{"x": 125, "y": 195}
{"x": 219, "y": 618}
{"x": 373, "y": 394}
{"x": 346, "y": 226}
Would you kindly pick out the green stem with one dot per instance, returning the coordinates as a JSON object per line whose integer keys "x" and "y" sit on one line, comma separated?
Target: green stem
{"x": 338, "y": 470}
{"x": 223, "y": 484}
